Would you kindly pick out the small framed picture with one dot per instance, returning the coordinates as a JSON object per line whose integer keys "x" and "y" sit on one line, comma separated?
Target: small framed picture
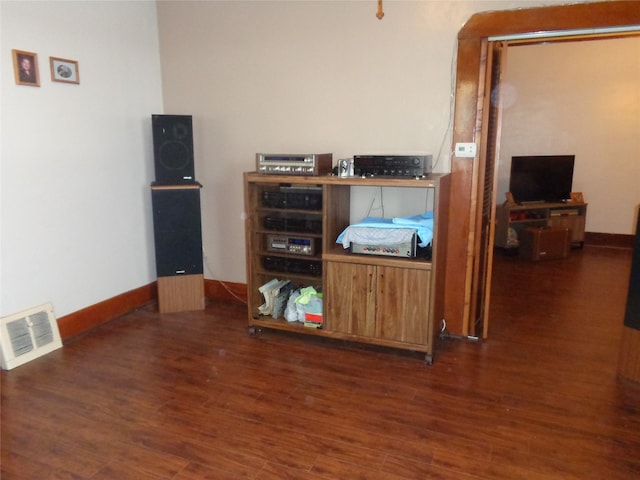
{"x": 64, "y": 70}
{"x": 577, "y": 197}
{"x": 25, "y": 68}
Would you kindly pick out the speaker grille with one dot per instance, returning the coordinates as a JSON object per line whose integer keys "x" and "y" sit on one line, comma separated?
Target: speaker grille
{"x": 174, "y": 156}
{"x": 177, "y": 231}
{"x": 173, "y": 149}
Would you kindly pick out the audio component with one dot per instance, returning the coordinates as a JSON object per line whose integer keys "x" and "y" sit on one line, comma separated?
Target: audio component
{"x": 177, "y": 230}
{"x": 178, "y": 243}
{"x": 291, "y": 164}
{"x": 294, "y": 245}
{"x": 173, "y": 149}
{"x": 293, "y": 223}
{"x": 401, "y": 249}
{"x": 415, "y": 166}
{"x": 293, "y": 266}
{"x": 303, "y": 198}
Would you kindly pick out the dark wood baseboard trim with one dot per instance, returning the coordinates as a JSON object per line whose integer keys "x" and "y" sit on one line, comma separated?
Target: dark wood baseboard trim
{"x": 612, "y": 240}
{"x": 77, "y": 322}
{"x": 94, "y": 315}
{"x": 219, "y": 290}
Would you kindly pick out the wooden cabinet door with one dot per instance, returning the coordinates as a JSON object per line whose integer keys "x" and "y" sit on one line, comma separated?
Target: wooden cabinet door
{"x": 388, "y": 303}
{"x": 575, "y": 223}
{"x": 349, "y": 298}
{"x": 402, "y": 298}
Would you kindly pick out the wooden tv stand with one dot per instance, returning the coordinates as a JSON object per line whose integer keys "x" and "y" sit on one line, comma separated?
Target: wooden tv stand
{"x": 571, "y": 215}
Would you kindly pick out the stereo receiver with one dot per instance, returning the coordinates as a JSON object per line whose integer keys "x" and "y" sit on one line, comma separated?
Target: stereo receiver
{"x": 297, "y": 266}
{"x": 302, "y": 198}
{"x": 293, "y": 223}
{"x": 295, "y": 245}
{"x": 415, "y": 166}
{"x": 292, "y": 164}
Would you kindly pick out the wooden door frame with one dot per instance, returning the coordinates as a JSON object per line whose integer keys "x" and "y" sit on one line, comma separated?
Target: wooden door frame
{"x": 467, "y": 124}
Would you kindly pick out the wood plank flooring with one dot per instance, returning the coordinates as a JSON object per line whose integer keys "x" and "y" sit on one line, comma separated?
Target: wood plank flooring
{"x": 193, "y": 396}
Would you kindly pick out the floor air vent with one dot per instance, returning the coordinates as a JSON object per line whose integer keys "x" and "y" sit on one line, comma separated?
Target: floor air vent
{"x": 27, "y": 335}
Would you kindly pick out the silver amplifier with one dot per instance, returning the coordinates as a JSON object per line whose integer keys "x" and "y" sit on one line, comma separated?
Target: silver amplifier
{"x": 401, "y": 249}
{"x": 293, "y": 164}
{"x": 288, "y": 244}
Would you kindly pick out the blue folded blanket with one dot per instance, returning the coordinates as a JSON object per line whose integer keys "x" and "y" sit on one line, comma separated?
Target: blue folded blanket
{"x": 423, "y": 224}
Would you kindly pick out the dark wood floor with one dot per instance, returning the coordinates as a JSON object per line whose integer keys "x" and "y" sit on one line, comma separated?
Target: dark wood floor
{"x": 193, "y": 396}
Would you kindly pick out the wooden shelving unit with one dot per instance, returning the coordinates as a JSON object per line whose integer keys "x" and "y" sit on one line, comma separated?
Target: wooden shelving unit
{"x": 571, "y": 215}
{"x": 389, "y": 301}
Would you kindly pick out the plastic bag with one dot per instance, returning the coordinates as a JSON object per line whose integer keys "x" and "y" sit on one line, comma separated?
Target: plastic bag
{"x": 294, "y": 311}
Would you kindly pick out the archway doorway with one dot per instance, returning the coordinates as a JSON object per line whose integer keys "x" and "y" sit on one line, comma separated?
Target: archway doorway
{"x": 469, "y": 258}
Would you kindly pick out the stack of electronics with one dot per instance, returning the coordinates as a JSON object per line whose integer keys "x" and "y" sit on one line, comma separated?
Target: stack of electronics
{"x": 408, "y": 237}
{"x": 293, "y": 231}
{"x": 388, "y": 166}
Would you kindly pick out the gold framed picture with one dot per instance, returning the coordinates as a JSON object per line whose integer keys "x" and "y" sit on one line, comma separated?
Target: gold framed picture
{"x": 64, "y": 70}
{"x": 577, "y": 197}
{"x": 25, "y": 68}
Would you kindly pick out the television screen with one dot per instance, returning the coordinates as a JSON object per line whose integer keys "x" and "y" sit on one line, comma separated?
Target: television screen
{"x": 541, "y": 178}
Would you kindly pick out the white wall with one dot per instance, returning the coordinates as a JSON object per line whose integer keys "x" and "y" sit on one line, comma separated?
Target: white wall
{"x": 77, "y": 159}
{"x": 296, "y": 77}
{"x": 579, "y": 98}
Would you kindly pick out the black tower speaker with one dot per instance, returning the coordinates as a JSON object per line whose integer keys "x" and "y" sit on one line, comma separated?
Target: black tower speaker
{"x": 177, "y": 230}
{"x": 173, "y": 149}
{"x": 632, "y": 316}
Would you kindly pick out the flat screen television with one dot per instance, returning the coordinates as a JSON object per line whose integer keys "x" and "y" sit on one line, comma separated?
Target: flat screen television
{"x": 541, "y": 178}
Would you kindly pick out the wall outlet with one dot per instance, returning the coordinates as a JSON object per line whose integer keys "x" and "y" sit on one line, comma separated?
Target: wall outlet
{"x": 465, "y": 150}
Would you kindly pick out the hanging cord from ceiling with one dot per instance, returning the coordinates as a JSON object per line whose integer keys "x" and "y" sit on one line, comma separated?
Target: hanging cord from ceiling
{"x": 380, "y": 13}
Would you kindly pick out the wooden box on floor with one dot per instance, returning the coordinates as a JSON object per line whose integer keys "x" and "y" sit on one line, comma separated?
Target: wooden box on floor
{"x": 180, "y": 293}
{"x": 544, "y": 243}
